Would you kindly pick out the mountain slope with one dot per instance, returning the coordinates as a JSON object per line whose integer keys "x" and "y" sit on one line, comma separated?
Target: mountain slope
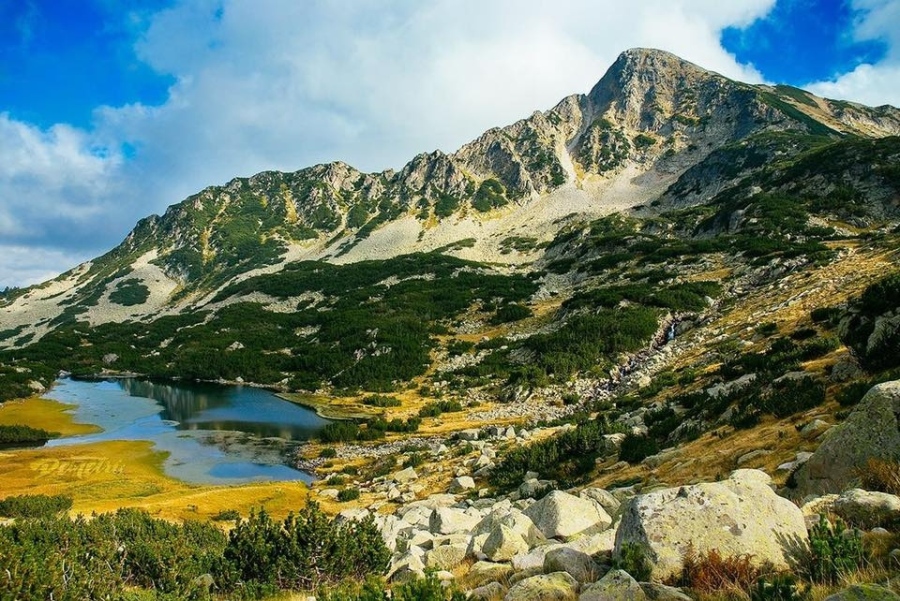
{"x": 690, "y": 154}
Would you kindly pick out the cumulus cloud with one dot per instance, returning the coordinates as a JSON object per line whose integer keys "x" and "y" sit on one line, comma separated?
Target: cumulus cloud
{"x": 285, "y": 84}
{"x": 871, "y": 84}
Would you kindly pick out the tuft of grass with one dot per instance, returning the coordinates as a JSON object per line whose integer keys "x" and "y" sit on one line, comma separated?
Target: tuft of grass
{"x": 881, "y": 475}
{"x": 711, "y": 572}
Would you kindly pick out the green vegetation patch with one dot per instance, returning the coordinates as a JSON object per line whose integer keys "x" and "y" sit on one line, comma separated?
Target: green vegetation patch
{"x": 130, "y": 292}
{"x": 490, "y": 195}
{"x": 369, "y": 335}
{"x": 20, "y": 434}
{"x": 34, "y": 506}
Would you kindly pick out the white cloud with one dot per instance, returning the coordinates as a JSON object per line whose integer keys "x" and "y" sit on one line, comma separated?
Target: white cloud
{"x": 47, "y": 175}
{"x": 284, "y": 84}
{"x": 27, "y": 265}
{"x": 871, "y": 84}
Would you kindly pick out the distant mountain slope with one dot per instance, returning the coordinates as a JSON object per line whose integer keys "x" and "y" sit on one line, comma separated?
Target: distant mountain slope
{"x": 687, "y": 152}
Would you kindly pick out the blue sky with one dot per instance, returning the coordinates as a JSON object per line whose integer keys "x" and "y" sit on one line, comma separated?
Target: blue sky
{"x": 112, "y": 110}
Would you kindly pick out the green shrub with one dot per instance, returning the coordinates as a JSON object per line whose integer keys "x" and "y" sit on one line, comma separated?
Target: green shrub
{"x": 343, "y": 431}
{"x": 634, "y": 558}
{"x": 380, "y": 400}
{"x": 437, "y": 408}
{"x": 511, "y": 312}
{"x": 71, "y": 560}
{"x": 34, "y": 506}
{"x": 130, "y": 292}
{"x": 328, "y": 453}
{"x": 426, "y": 589}
{"x": 19, "y": 434}
{"x": 833, "y": 552}
{"x": 226, "y": 515}
{"x": 566, "y": 457}
{"x": 781, "y": 587}
{"x": 767, "y": 329}
{"x": 824, "y": 314}
{"x": 793, "y": 396}
{"x": 635, "y": 448}
{"x": 852, "y": 393}
{"x": 415, "y": 460}
{"x": 303, "y": 552}
{"x": 348, "y": 494}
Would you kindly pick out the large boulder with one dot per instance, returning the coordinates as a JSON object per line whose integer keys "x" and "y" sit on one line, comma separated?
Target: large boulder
{"x": 445, "y": 557}
{"x": 871, "y": 431}
{"x": 577, "y": 564}
{"x": 503, "y": 543}
{"x": 487, "y": 592}
{"x": 564, "y": 516}
{"x": 448, "y": 520}
{"x": 740, "y": 515}
{"x": 513, "y": 519}
{"x": 557, "y": 586}
{"x": 866, "y": 509}
{"x": 607, "y": 501}
{"x": 617, "y": 585}
{"x": 483, "y": 572}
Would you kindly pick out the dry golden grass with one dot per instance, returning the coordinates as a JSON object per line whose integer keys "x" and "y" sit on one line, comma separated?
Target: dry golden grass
{"x": 43, "y": 413}
{"x": 104, "y": 476}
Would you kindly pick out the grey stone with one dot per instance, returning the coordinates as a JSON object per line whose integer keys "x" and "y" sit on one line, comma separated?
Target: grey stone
{"x": 740, "y": 515}
{"x": 867, "y": 509}
{"x": 462, "y": 484}
{"x": 503, "y": 543}
{"x": 871, "y": 431}
{"x": 578, "y": 565}
{"x": 493, "y": 591}
{"x": 607, "y": 501}
{"x": 405, "y": 476}
{"x": 557, "y": 586}
{"x": 445, "y": 557}
{"x": 661, "y": 592}
{"x": 564, "y": 516}
{"x": 449, "y": 520}
{"x": 617, "y": 585}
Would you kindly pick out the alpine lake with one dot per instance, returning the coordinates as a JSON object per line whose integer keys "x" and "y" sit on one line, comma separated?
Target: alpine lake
{"x": 212, "y": 434}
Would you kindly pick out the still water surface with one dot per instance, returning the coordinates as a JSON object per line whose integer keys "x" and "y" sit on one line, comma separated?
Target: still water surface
{"x": 213, "y": 433}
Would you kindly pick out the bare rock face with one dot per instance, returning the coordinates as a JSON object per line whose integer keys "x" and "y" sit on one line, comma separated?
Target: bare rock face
{"x": 557, "y": 586}
{"x": 740, "y": 515}
{"x": 564, "y": 516}
{"x": 617, "y": 585}
{"x": 871, "y": 431}
{"x": 868, "y": 509}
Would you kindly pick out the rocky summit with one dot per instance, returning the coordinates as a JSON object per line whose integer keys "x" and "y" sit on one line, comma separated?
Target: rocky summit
{"x": 642, "y": 345}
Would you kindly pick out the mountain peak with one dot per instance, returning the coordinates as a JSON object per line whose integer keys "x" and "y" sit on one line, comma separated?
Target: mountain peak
{"x": 642, "y": 68}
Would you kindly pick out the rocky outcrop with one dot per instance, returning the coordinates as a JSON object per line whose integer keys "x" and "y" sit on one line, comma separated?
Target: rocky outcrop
{"x": 868, "y": 509}
{"x": 564, "y": 516}
{"x": 740, "y": 515}
{"x": 871, "y": 431}
{"x": 557, "y": 586}
{"x": 577, "y": 564}
{"x": 617, "y": 585}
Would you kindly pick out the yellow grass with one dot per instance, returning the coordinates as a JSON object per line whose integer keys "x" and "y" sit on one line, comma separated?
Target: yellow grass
{"x": 45, "y": 414}
{"x": 104, "y": 476}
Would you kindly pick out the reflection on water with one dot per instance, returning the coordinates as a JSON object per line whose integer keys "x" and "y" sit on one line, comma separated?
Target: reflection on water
{"x": 213, "y": 433}
{"x": 208, "y": 406}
